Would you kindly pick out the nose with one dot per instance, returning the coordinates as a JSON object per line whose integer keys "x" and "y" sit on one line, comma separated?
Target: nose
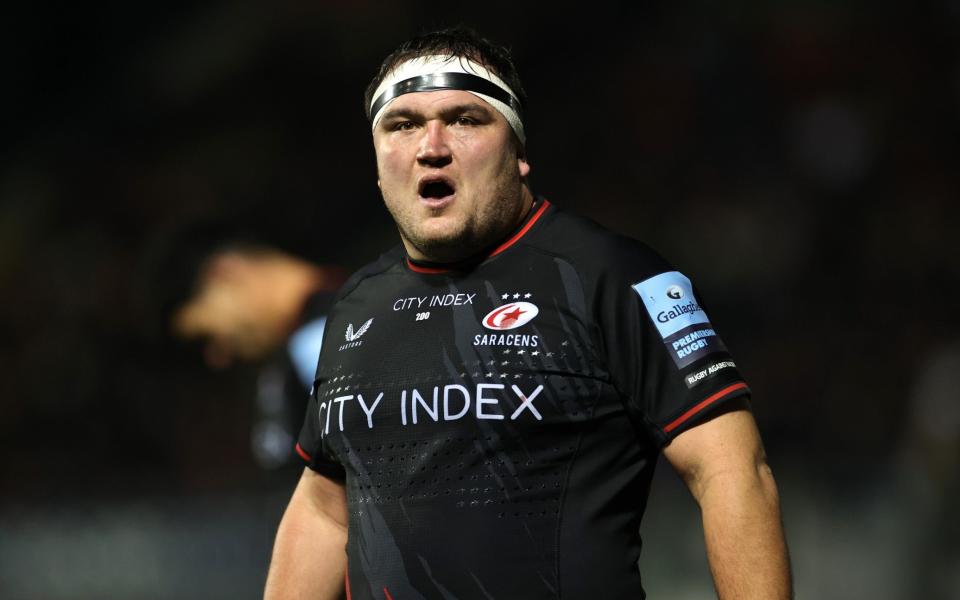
{"x": 434, "y": 150}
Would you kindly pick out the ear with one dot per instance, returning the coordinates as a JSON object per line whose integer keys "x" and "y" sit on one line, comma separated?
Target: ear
{"x": 523, "y": 166}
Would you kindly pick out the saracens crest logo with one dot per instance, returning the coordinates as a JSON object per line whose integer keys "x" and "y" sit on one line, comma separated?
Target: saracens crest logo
{"x": 353, "y": 337}
{"x": 510, "y": 316}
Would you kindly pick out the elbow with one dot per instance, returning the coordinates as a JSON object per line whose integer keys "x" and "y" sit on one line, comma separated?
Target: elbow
{"x": 766, "y": 483}
{"x": 750, "y": 484}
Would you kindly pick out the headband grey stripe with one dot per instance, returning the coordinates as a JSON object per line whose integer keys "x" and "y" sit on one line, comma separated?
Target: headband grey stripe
{"x": 446, "y": 81}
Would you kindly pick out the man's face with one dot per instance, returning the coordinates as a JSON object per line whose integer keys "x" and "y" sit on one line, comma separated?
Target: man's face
{"x": 450, "y": 173}
{"x": 225, "y": 315}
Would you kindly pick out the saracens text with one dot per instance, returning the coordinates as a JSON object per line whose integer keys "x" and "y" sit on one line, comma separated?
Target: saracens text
{"x": 508, "y": 339}
{"x": 485, "y": 401}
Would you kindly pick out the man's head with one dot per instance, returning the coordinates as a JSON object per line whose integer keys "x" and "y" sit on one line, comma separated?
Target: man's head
{"x": 231, "y": 308}
{"x": 239, "y": 297}
{"x": 446, "y": 111}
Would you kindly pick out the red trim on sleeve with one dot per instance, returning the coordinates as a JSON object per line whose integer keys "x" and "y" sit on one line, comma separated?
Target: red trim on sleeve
{"x": 303, "y": 453}
{"x": 387, "y": 593}
{"x": 522, "y": 232}
{"x": 346, "y": 581}
{"x": 702, "y": 405}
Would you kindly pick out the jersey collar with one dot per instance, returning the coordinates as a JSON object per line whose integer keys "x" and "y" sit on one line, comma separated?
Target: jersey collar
{"x": 539, "y": 206}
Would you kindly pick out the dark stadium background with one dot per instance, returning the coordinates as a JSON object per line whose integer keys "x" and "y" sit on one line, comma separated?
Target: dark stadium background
{"x": 798, "y": 159}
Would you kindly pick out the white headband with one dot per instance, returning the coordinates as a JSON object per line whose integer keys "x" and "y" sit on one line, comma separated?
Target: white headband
{"x": 432, "y": 73}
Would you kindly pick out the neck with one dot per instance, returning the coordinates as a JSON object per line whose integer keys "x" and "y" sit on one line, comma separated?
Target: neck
{"x": 458, "y": 253}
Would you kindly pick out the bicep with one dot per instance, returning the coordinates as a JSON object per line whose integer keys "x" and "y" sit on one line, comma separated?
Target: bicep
{"x": 726, "y": 444}
{"x": 322, "y": 497}
{"x": 309, "y": 558}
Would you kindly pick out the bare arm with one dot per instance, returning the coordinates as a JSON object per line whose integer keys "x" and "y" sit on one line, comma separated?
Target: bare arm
{"x": 723, "y": 464}
{"x": 309, "y": 560}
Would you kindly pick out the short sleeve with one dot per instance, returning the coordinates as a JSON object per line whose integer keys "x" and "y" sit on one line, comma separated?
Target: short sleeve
{"x": 664, "y": 354}
{"x": 310, "y": 444}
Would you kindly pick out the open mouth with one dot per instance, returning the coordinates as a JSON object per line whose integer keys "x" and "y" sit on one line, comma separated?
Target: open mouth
{"x": 436, "y": 189}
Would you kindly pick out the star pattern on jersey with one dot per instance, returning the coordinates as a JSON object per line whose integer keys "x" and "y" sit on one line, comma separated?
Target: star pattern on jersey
{"x": 516, "y": 295}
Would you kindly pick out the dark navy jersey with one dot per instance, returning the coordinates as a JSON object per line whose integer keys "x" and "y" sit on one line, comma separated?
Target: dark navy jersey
{"x": 496, "y": 425}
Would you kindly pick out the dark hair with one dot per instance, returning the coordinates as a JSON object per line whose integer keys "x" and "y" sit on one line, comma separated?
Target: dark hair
{"x": 461, "y": 42}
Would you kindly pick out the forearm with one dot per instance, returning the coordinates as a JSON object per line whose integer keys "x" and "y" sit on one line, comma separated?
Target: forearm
{"x": 309, "y": 557}
{"x": 744, "y": 536}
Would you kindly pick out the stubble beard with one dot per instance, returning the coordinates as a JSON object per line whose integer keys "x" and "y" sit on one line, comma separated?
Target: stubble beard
{"x": 489, "y": 223}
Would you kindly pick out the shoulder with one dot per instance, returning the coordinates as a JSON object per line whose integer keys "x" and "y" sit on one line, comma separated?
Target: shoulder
{"x": 387, "y": 261}
{"x": 597, "y": 251}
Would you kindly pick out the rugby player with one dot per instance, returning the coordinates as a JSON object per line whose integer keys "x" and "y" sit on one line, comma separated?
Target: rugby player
{"x": 244, "y": 300}
{"x": 494, "y": 392}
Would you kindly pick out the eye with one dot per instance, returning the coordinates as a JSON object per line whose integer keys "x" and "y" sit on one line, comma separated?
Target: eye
{"x": 464, "y": 121}
{"x": 402, "y": 126}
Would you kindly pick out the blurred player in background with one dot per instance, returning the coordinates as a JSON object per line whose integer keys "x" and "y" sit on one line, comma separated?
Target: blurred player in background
{"x": 244, "y": 300}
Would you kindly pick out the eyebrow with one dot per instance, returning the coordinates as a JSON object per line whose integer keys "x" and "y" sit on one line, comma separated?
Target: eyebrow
{"x": 409, "y": 113}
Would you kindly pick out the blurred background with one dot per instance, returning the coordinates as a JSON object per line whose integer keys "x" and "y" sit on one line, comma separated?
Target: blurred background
{"x": 798, "y": 159}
